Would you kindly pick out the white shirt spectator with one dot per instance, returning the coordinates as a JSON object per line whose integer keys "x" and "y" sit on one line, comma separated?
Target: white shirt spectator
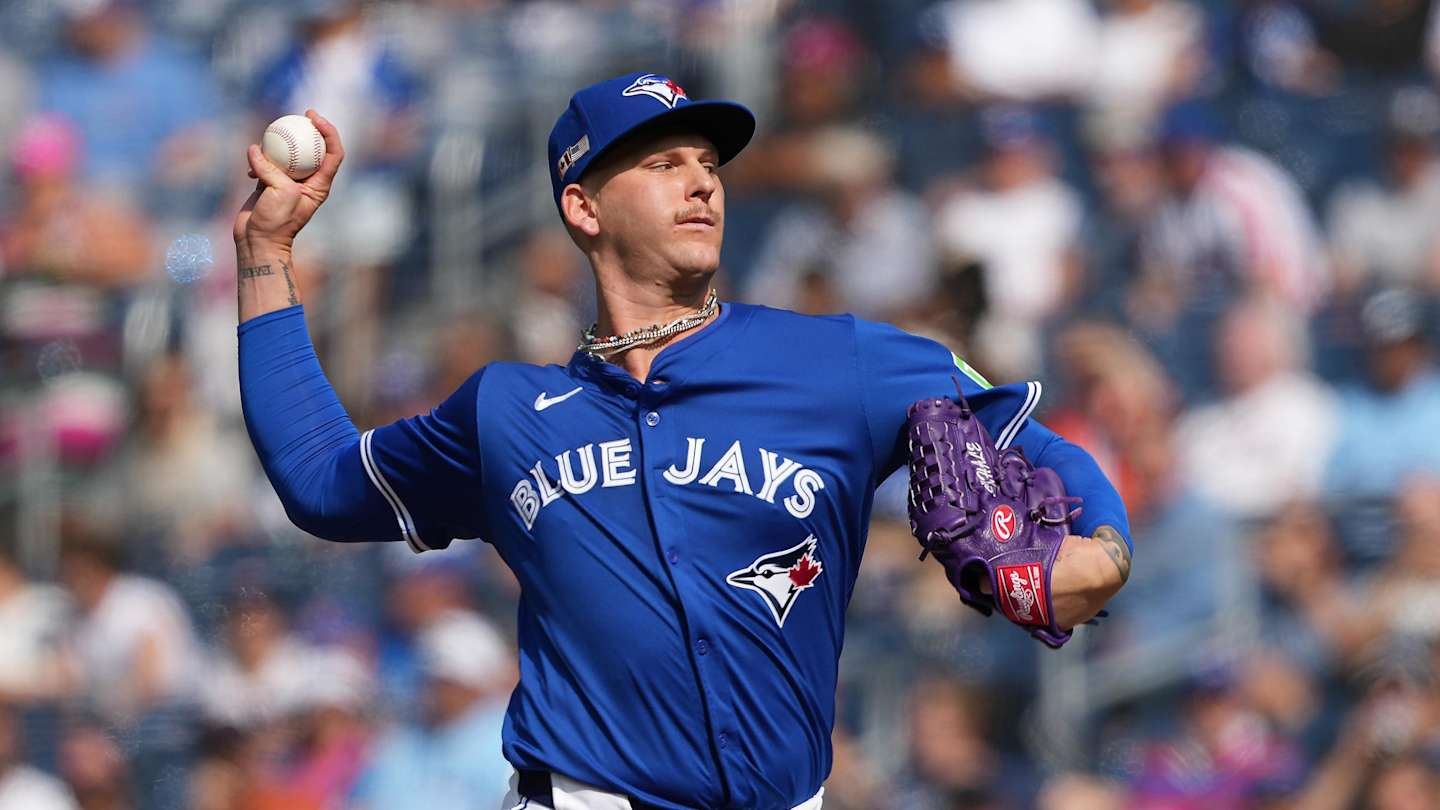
{"x": 1256, "y": 451}
{"x": 1021, "y": 50}
{"x": 1142, "y": 56}
{"x": 136, "y": 618}
{"x": 881, "y": 263}
{"x": 1386, "y": 233}
{"x": 230, "y": 694}
{"x": 33, "y": 619}
{"x": 1021, "y": 237}
{"x": 25, "y": 788}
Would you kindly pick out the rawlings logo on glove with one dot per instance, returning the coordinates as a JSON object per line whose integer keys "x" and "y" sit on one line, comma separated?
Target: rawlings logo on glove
{"x": 986, "y": 515}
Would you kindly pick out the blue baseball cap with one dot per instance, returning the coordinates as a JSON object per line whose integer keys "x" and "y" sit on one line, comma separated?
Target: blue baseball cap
{"x": 603, "y": 114}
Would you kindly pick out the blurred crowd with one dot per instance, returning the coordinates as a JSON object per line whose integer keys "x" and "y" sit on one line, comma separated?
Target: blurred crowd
{"x": 1208, "y": 226}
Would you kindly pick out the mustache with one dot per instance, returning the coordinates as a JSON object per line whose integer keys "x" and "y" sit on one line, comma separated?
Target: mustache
{"x": 693, "y": 211}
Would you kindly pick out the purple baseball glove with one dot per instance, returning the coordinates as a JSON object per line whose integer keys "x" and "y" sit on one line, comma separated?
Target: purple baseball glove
{"x": 987, "y": 514}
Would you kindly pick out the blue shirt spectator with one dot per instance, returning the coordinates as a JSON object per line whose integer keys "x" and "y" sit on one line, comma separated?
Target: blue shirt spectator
{"x": 1391, "y": 428}
{"x": 451, "y": 760}
{"x": 134, "y": 97}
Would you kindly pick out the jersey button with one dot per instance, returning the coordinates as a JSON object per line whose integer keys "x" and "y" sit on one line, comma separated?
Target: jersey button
{"x": 673, "y": 556}
{"x": 652, "y": 419}
{"x": 724, "y": 739}
{"x": 702, "y": 646}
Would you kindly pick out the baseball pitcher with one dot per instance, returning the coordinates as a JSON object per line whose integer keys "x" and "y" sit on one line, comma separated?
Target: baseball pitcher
{"x": 685, "y": 502}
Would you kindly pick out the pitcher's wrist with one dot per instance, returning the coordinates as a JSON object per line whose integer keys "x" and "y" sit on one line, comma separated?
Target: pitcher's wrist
{"x": 263, "y": 248}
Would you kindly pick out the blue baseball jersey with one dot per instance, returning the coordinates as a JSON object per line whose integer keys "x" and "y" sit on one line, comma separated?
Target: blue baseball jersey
{"x": 686, "y": 547}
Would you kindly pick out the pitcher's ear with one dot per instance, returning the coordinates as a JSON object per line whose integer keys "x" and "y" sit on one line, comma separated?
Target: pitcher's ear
{"x": 578, "y": 209}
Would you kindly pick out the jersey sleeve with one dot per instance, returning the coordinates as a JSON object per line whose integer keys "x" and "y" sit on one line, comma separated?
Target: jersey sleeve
{"x": 427, "y": 468}
{"x": 898, "y": 368}
{"x": 406, "y": 481}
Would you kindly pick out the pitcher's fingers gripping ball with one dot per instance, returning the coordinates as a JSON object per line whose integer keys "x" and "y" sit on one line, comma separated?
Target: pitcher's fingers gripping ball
{"x": 986, "y": 515}
{"x": 293, "y": 143}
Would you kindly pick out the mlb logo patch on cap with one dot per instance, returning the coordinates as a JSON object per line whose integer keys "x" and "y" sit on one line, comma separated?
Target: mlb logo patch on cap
{"x": 603, "y": 114}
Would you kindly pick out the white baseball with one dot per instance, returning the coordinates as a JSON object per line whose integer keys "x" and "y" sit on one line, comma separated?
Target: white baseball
{"x": 294, "y": 144}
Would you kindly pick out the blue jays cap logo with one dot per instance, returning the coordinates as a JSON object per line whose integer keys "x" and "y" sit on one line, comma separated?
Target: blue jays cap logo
{"x": 780, "y": 577}
{"x": 663, "y": 89}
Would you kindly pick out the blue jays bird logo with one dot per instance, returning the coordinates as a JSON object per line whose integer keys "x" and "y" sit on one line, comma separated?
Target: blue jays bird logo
{"x": 665, "y": 90}
{"x": 780, "y": 577}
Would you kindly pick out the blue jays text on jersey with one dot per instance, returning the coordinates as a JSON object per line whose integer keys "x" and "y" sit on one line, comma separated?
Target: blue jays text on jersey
{"x": 686, "y": 546}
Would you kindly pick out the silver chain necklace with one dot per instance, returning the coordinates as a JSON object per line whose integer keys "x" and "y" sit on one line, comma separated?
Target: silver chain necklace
{"x": 649, "y": 334}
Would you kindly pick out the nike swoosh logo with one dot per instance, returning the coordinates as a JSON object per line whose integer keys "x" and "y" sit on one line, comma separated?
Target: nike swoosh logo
{"x": 542, "y": 402}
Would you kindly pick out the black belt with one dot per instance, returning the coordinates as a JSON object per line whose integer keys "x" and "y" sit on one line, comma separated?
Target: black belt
{"x": 535, "y": 786}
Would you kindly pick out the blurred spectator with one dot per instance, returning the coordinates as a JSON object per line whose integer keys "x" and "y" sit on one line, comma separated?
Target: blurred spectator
{"x": 59, "y": 230}
{"x": 1379, "y": 760}
{"x": 1391, "y": 37}
{"x": 137, "y": 663}
{"x": 145, "y": 110}
{"x": 1310, "y": 47}
{"x": 1119, "y": 405}
{"x": 1383, "y": 232}
{"x": 334, "y": 735}
{"x": 1223, "y": 755}
{"x": 544, "y": 318}
{"x": 1232, "y": 221}
{"x": 1405, "y": 595}
{"x": 1391, "y": 428}
{"x": 953, "y": 763}
{"x": 1281, "y": 48}
{"x": 94, "y": 766}
{"x": 1020, "y": 223}
{"x": 1148, "y": 54}
{"x": 134, "y": 639}
{"x": 853, "y": 784}
{"x": 1265, "y": 442}
{"x": 1020, "y": 50}
{"x": 263, "y": 670}
{"x": 861, "y": 233}
{"x": 450, "y": 759}
{"x": 821, "y": 82}
{"x": 181, "y": 481}
{"x": 21, "y": 786}
{"x": 1411, "y": 783}
{"x": 310, "y": 762}
{"x": 341, "y": 63}
{"x": 1287, "y": 695}
{"x": 221, "y": 773}
{"x": 415, "y": 598}
{"x": 1315, "y": 614}
{"x": 34, "y": 616}
{"x": 1126, "y": 170}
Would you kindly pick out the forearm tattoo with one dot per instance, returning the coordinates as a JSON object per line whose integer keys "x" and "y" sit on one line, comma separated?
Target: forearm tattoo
{"x": 1115, "y": 546}
{"x": 289, "y": 281}
{"x": 258, "y": 270}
